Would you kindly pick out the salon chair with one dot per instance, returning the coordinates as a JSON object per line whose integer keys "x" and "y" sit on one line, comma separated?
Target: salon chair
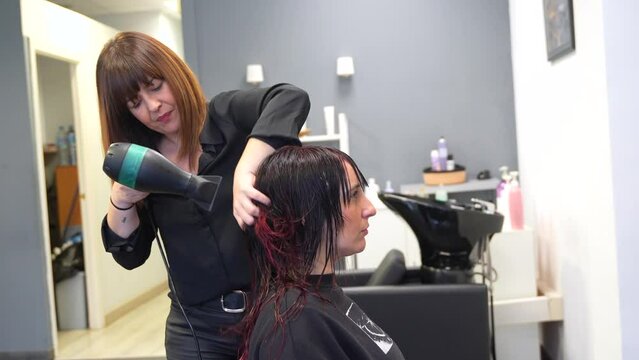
{"x": 434, "y": 311}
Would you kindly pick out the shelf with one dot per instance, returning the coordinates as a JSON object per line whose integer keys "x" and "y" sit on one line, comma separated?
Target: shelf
{"x": 320, "y": 138}
{"x": 471, "y": 185}
{"x": 543, "y": 308}
{"x": 341, "y": 137}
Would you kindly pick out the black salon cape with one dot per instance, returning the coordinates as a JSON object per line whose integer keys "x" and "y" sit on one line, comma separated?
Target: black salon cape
{"x": 207, "y": 252}
{"x": 324, "y": 330}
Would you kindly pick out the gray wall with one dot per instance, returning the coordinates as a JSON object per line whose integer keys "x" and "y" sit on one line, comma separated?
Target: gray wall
{"x": 423, "y": 68}
{"x": 24, "y": 306}
{"x": 623, "y": 85}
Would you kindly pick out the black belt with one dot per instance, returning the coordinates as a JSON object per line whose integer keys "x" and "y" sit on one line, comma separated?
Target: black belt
{"x": 234, "y": 302}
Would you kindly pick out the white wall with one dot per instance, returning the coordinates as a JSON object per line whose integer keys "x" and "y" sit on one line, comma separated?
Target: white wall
{"x": 622, "y": 56}
{"x": 563, "y": 138}
{"x": 25, "y": 325}
{"x": 163, "y": 27}
{"x": 56, "y": 107}
{"x": 68, "y": 36}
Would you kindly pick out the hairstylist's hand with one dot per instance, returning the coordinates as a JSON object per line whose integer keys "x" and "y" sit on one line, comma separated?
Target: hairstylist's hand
{"x": 244, "y": 198}
{"x": 124, "y": 196}
{"x": 125, "y": 220}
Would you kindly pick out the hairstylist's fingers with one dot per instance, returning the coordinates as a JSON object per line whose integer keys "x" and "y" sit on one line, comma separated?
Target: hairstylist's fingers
{"x": 239, "y": 220}
{"x": 247, "y": 207}
{"x": 257, "y": 196}
{"x": 121, "y": 193}
{"x": 242, "y": 217}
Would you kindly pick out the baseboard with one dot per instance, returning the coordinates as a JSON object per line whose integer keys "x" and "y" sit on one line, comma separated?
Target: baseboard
{"x": 27, "y": 355}
{"x": 121, "y": 310}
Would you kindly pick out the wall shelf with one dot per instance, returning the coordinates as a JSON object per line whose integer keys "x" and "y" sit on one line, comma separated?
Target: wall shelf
{"x": 341, "y": 137}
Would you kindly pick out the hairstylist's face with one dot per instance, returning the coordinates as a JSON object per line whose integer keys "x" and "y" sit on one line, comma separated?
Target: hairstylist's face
{"x": 154, "y": 106}
{"x": 351, "y": 238}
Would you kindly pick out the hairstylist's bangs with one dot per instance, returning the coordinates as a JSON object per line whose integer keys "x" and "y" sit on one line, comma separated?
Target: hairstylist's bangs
{"x": 125, "y": 75}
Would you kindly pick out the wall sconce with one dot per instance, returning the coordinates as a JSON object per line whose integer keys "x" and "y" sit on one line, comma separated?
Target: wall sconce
{"x": 345, "y": 66}
{"x": 254, "y": 74}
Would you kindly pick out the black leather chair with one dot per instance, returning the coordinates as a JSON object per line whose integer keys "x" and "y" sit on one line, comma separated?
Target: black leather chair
{"x": 433, "y": 322}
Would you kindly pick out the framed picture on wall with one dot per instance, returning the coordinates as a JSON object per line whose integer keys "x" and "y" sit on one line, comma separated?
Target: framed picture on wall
{"x": 560, "y": 34}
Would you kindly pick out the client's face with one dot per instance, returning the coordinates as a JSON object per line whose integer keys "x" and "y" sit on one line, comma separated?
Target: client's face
{"x": 351, "y": 239}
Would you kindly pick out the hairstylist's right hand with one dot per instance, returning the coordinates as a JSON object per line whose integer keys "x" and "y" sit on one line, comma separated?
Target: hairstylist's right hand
{"x": 244, "y": 198}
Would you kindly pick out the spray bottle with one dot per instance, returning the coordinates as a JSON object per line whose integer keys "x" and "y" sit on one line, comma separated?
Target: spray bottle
{"x": 502, "y": 183}
{"x": 515, "y": 203}
{"x": 503, "y": 197}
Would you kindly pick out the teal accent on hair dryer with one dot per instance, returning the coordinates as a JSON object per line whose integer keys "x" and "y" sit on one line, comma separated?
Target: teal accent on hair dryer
{"x": 144, "y": 169}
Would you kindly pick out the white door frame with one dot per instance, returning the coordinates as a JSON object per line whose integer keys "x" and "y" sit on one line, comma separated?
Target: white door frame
{"x": 56, "y": 32}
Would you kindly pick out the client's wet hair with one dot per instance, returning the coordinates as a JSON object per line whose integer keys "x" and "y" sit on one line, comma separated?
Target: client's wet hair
{"x": 307, "y": 187}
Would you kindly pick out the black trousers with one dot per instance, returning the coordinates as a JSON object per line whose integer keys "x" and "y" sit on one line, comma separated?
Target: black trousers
{"x": 211, "y": 325}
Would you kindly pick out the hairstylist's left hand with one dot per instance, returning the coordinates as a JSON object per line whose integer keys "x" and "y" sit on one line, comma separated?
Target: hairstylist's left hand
{"x": 244, "y": 197}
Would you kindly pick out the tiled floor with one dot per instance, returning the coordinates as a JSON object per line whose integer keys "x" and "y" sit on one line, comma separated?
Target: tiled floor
{"x": 137, "y": 335}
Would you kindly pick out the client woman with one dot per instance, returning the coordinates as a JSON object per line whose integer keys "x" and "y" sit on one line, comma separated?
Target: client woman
{"x": 318, "y": 215}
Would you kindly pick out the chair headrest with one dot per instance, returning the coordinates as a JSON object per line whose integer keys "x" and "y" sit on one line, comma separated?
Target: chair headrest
{"x": 390, "y": 271}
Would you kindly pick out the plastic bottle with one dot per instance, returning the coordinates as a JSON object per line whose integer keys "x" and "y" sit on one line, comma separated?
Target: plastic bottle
{"x": 63, "y": 146}
{"x": 372, "y": 191}
{"x": 388, "y": 187}
{"x": 441, "y": 194}
{"x": 435, "y": 165}
{"x": 450, "y": 163}
{"x": 503, "y": 200}
{"x": 515, "y": 203}
{"x": 442, "y": 148}
{"x": 502, "y": 183}
{"x": 73, "y": 155}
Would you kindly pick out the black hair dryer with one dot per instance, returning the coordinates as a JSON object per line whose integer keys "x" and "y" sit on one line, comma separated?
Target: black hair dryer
{"x": 144, "y": 169}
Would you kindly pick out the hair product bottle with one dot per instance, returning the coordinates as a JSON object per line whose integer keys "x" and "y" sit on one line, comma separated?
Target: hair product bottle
{"x": 450, "y": 163}
{"x": 503, "y": 197}
{"x": 434, "y": 161}
{"x": 502, "y": 183}
{"x": 443, "y": 153}
{"x": 515, "y": 203}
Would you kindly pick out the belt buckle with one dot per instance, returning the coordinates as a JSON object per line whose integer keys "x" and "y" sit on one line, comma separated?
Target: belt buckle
{"x": 235, "y": 311}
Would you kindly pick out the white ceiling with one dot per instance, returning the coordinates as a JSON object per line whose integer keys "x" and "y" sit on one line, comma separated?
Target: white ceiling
{"x": 92, "y": 8}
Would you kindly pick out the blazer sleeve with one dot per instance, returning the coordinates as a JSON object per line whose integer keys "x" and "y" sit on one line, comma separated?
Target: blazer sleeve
{"x": 274, "y": 115}
{"x": 132, "y": 251}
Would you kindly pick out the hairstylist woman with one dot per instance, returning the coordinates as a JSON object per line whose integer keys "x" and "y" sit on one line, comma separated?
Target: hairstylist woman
{"x": 149, "y": 96}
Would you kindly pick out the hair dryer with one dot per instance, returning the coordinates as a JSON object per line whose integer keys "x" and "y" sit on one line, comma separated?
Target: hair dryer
{"x": 144, "y": 169}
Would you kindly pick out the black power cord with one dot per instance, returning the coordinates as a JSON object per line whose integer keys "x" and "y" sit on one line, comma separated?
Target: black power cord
{"x": 172, "y": 286}
{"x": 489, "y": 274}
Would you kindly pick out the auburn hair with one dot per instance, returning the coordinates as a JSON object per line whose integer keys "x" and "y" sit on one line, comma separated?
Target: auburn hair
{"x": 307, "y": 187}
{"x": 131, "y": 59}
